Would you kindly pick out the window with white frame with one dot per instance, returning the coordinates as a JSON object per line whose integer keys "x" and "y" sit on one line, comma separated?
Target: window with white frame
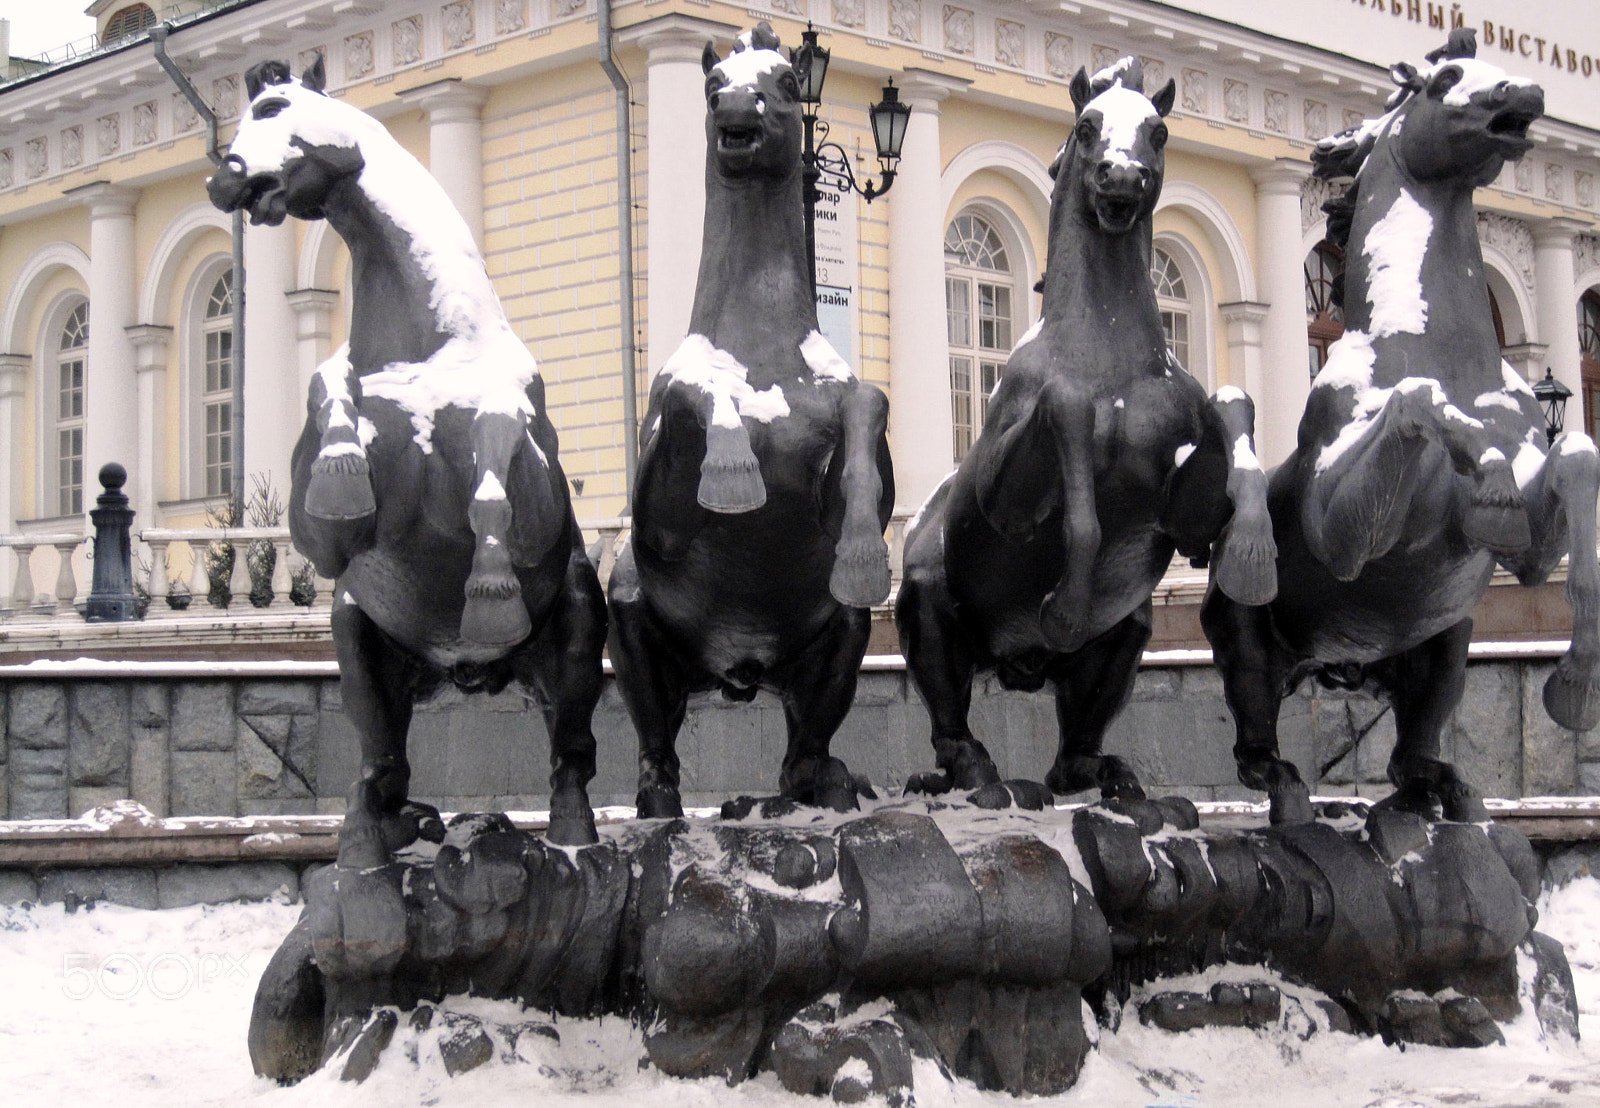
{"x": 216, "y": 398}
{"x": 72, "y": 354}
{"x": 979, "y": 290}
{"x": 1172, "y": 298}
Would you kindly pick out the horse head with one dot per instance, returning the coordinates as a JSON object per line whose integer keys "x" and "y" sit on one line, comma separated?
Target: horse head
{"x": 1116, "y": 150}
{"x": 294, "y": 144}
{"x": 1464, "y": 118}
{"x": 753, "y": 123}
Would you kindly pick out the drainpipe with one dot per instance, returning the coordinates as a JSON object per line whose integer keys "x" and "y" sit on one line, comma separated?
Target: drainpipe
{"x": 158, "y": 39}
{"x": 630, "y": 395}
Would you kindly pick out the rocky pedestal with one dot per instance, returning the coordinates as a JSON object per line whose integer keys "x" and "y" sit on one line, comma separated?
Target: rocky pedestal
{"x": 919, "y": 940}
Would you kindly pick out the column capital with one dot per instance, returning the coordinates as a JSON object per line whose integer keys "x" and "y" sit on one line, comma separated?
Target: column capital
{"x": 1559, "y": 231}
{"x": 1280, "y": 177}
{"x": 675, "y": 38}
{"x": 105, "y": 200}
{"x": 305, "y": 301}
{"x": 925, "y": 90}
{"x": 13, "y": 373}
{"x": 447, "y": 100}
{"x": 144, "y": 335}
{"x": 1244, "y": 311}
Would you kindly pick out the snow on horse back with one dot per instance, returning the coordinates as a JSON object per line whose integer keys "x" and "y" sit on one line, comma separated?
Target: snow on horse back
{"x": 301, "y": 153}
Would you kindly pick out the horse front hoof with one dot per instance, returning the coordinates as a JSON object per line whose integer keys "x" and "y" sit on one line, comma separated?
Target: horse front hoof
{"x": 1290, "y": 804}
{"x": 571, "y": 818}
{"x": 834, "y": 788}
{"x": 927, "y": 783}
{"x": 1247, "y": 566}
{"x": 1572, "y": 695}
{"x": 1497, "y": 519}
{"x": 658, "y": 802}
{"x": 860, "y": 577}
{"x": 1062, "y": 624}
{"x": 337, "y": 496}
{"x": 495, "y": 621}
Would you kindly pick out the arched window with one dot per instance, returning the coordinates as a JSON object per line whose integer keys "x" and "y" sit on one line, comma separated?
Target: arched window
{"x": 1324, "y": 319}
{"x": 217, "y": 395}
{"x": 978, "y": 292}
{"x": 129, "y": 21}
{"x": 1589, "y": 358}
{"x": 1172, "y": 297}
{"x": 72, "y": 352}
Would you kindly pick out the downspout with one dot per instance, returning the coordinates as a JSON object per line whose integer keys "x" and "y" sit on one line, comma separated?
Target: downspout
{"x": 630, "y": 394}
{"x": 158, "y": 39}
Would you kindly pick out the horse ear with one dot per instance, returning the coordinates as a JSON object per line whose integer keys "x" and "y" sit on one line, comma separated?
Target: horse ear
{"x": 1405, "y": 75}
{"x": 315, "y": 77}
{"x": 1163, "y": 99}
{"x": 708, "y": 58}
{"x": 764, "y": 37}
{"x": 1081, "y": 93}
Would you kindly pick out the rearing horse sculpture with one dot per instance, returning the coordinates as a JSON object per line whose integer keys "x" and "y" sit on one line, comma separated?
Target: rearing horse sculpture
{"x": 764, "y": 482}
{"x": 1420, "y": 461}
{"x": 1099, "y": 457}
{"x": 426, "y": 479}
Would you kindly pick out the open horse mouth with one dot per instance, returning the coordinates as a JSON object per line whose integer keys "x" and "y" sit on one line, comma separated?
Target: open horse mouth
{"x": 1510, "y": 126}
{"x": 733, "y": 139}
{"x": 1117, "y": 213}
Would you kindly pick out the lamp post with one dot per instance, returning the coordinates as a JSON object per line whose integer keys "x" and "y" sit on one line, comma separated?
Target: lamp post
{"x": 828, "y": 161}
{"x": 1552, "y": 396}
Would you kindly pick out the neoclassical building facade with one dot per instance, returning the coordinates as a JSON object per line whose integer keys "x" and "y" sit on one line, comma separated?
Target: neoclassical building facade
{"x": 117, "y": 277}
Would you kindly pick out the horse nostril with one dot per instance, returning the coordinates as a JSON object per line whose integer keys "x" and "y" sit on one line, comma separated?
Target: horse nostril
{"x": 715, "y": 99}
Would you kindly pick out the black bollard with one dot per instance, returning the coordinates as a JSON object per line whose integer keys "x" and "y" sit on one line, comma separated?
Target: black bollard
{"x": 111, "y": 598}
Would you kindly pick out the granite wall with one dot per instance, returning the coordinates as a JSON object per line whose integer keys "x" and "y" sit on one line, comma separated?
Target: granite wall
{"x": 237, "y": 747}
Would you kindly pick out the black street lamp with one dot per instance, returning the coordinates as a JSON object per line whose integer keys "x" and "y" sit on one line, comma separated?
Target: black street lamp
{"x": 1552, "y": 396}
{"x": 828, "y": 161}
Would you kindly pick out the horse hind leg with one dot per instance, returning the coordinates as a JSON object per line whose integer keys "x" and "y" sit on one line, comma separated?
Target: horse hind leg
{"x": 860, "y": 576}
{"x": 494, "y": 614}
{"x": 1092, "y": 686}
{"x": 651, "y": 680}
{"x": 1425, "y": 684}
{"x": 341, "y": 477}
{"x": 820, "y": 690}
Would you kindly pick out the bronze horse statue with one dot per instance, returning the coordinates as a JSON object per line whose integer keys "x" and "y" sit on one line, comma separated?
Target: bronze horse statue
{"x": 1421, "y": 458}
{"x": 764, "y": 482}
{"x": 426, "y": 480}
{"x": 1099, "y": 457}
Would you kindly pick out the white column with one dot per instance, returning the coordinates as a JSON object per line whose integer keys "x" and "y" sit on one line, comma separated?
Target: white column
{"x": 313, "y": 316}
{"x": 1528, "y": 359}
{"x": 1286, "y": 379}
{"x": 1556, "y": 296}
{"x": 455, "y": 144}
{"x": 919, "y": 350}
{"x": 110, "y": 388}
{"x": 150, "y": 343}
{"x": 271, "y": 369}
{"x": 675, "y": 185}
{"x": 13, "y": 378}
{"x": 1244, "y": 320}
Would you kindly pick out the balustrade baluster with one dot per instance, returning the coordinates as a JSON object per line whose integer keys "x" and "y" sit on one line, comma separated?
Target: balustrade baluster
{"x": 66, "y": 579}
{"x": 199, "y": 579}
{"x": 282, "y": 579}
{"x": 160, "y": 585}
{"x": 22, "y": 587}
{"x": 239, "y": 581}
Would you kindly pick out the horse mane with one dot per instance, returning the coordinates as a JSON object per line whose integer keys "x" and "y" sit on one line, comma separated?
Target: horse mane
{"x": 1344, "y": 155}
{"x": 1129, "y": 72}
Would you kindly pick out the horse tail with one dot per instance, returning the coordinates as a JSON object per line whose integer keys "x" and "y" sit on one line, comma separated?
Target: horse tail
{"x": 1572, "y": 692}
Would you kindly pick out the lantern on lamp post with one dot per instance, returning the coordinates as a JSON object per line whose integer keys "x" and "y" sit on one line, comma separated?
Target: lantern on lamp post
{"x": 827, "y": 161}
{"x": 1552, "y": 396}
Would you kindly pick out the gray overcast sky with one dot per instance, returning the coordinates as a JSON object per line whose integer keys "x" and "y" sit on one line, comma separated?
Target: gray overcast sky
{"x": 40, "y": 25}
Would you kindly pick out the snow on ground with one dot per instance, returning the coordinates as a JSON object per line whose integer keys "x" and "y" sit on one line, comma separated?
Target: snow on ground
{"x": 143, "y": 1008}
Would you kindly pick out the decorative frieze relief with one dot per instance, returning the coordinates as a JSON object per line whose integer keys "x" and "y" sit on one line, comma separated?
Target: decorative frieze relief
{"x": 405, "y": 38}
{"x": 1511, "y": 237}
{"x": 1315, "y": 192}
{"x": 852, "y": 13}
{"x": 108, "y": 130}
{"x": 1058, "y": 55}
{"x": 1353, "y": 119}
{"x": 1585, "y": 252}
{"x": 792, "y": 7}
{"x": 144, "y": 123}
{"x": 1315, "y": 118}
{"x": 225, "y": 96}
{"x": 1155, "y": 73}
{"x": 458, "y": 24}
{"x": 1236, "y": 101}
{"x": 1552, "y": 182}
{"x": 510, "y": 16}
{"x": 1523, "y": 175}
{"x": 1102, "y": 56}
{"x": 1276, "y": 114}
{"x": 7, "y": 173}
{"x": 71, "y": 147}
{"x": 1008, "y": 44}
{"x": 184, "y": 117}
{"x": 1196, "y": 91}
{"x": 1583, "y": 188}
{"x": 357, "y": 55}
{"x": 35, "y": 157}
{"x": 959, "y": 31}
{"x": 905, "y": 20}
